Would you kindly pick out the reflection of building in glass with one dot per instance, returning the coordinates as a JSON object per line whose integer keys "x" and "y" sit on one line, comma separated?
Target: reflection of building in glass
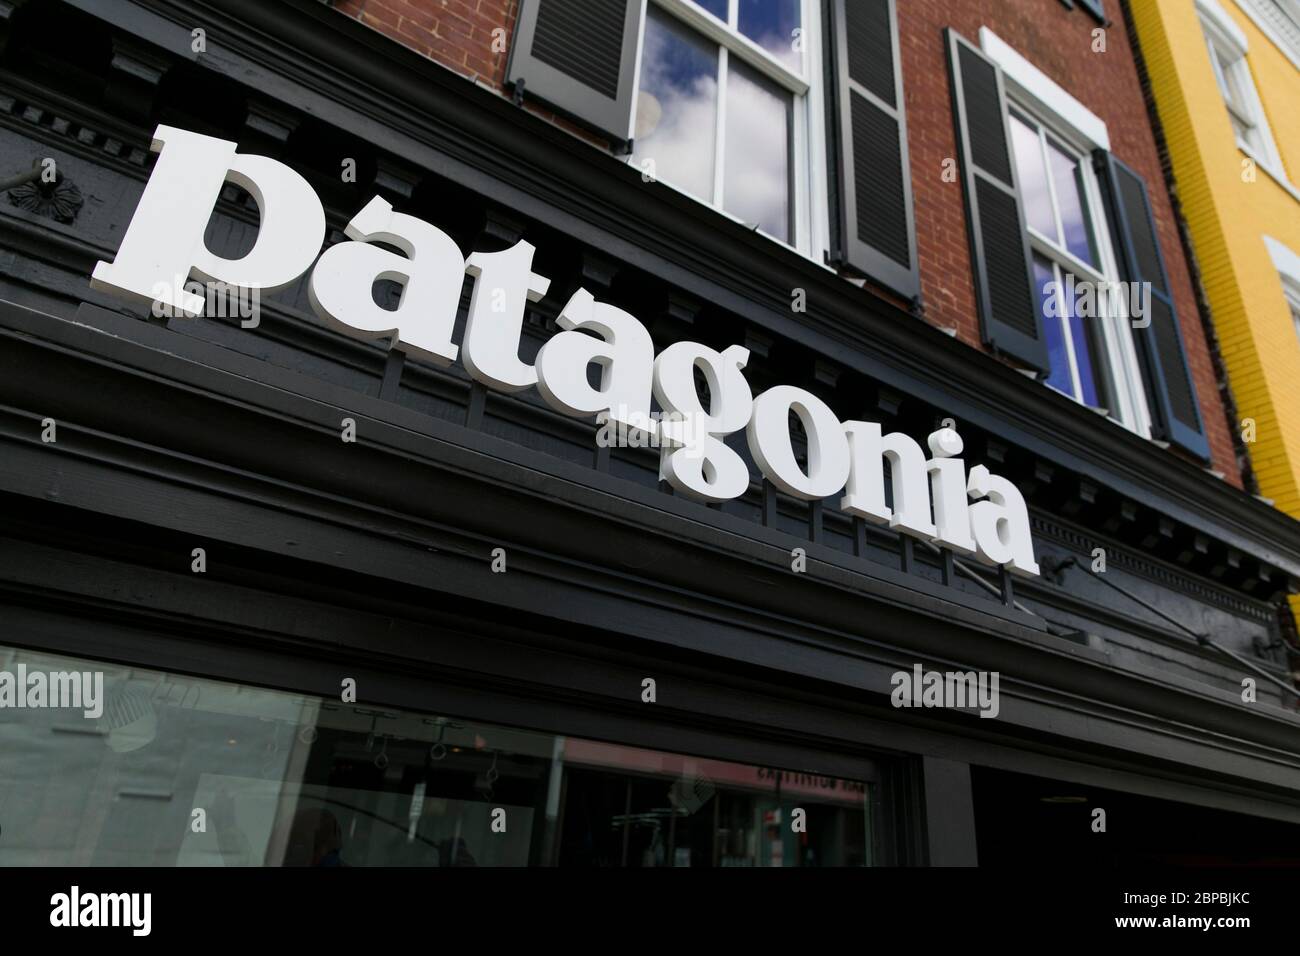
{"x": 287, "y": 780}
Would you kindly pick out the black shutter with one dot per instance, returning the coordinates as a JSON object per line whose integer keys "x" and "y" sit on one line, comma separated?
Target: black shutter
{"x": 876, "y": 228}
{"x": 1170, "y": 390}
{"x": 580, "y": 56}
{"x": 1095, "y": 7}
{"x": 1004, "y": 290}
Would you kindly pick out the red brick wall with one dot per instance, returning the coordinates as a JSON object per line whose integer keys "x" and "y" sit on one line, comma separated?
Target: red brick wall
{"x": 458, "y": 34}
{"x": 1059, "y": 42}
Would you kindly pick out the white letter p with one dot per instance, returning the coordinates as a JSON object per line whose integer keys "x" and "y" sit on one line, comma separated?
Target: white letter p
{"x": 163, "y": 245}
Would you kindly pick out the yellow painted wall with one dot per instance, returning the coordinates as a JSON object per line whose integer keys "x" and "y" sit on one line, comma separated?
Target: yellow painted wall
{"x": 1228, "y": 218}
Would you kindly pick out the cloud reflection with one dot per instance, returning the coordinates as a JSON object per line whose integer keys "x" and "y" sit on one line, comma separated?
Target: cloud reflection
{"x": 771, "y": 24}
{"x": 676, "y": 126}
{"x": 757, "y": 183}
{"x": 677, "y": 105}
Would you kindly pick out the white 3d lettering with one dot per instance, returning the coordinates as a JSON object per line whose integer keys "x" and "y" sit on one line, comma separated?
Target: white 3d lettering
{"x": 979, "y": 514}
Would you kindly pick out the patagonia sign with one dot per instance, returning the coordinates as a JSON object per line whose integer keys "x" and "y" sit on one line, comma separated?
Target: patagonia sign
{"x": 976, "y": 514}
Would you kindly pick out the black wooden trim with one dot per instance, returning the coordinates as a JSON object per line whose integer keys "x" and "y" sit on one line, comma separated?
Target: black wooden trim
{"x": 949, "y": 812}
{"x": 158, "y": 355}
{"x": 587, "y": 557}
{"x": 431, "y": 660}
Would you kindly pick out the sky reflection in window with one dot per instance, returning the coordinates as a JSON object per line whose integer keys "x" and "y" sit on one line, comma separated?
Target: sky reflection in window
{"x": 772, "y": 24}
{"x": 758, "y": 152}
{"x": 716, "y": 7}
{"x": 1033, "y": 178}
{"x": 676, "y": 118}
{"x": 1058, "y": 376}
{"x": 1069, "y": 195}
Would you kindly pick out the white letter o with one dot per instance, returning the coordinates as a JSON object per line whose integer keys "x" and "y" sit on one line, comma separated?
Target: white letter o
{"x": 769, "y": 442}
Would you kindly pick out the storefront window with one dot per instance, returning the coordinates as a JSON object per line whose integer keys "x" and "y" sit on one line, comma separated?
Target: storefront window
{"x": 185, "y": 771}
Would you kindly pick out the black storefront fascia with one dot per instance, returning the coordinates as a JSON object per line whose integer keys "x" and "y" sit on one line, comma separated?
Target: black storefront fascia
{"x": 372, "y": 560}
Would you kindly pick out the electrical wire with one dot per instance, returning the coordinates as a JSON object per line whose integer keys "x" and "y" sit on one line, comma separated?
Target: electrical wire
{"x": 1201, "y": 639}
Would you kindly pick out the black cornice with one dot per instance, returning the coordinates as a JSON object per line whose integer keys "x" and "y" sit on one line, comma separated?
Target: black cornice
{"x": 331, "y": 66}
{"x": 247, "y": 457}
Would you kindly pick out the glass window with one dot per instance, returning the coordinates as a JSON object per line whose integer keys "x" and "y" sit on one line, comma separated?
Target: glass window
{"x": 1234, "y": 97}
{"x": 1085, "y": 364}
{"x": 1076, "y": 227}
{"x": 723, "y": 108}
{"x": 1055, "y": 205}
{"x": 757, "y": 177}
{"x": 716, "y": 7}
{"x": 287, "y": 779}
{"x": 1237, "y": 87}
{"x": 1089, "y": 352}
{"x": 774, "y": 25}
{"x": 1035, "y": 192}
{"x": 1058, "y": 355}
{"x": 678, "y": 104}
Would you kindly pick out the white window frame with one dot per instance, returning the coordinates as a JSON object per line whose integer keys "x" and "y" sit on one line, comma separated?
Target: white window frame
{"x": 1227, "y": 48}
{"x": 810, "y": 217}
{"x": 1292, "y": 294}
{"x": 1285, "y": 43}
{"x": 1287, "y": 264}
{"x": 1118, "y": 350}
{"x": 1043, "y": 96}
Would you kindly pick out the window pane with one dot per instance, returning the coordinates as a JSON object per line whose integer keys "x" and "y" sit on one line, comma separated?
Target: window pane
{"x": 1081, "y": 329}
{"x": 1059, "y": 376}
{"x": 716, "y": 7}
{"x": 1233, "y": 77}
{"x": 1067, "y": 177}
{"x": 757, "y": 174}
{"x": 625, "y": 806}
{"x": 1236, "y": 94}
{"x": 771, "y": 24}
{"x": 1220, "y": 71}
{"x": 676, "y": 111}
{"x": 294, "y": 780}
{"x": 1033, "y": 178}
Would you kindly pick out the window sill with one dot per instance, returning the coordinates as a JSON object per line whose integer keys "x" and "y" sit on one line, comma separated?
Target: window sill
{"x": 1105, "y": 413}
{"x": 719, "y": 211}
